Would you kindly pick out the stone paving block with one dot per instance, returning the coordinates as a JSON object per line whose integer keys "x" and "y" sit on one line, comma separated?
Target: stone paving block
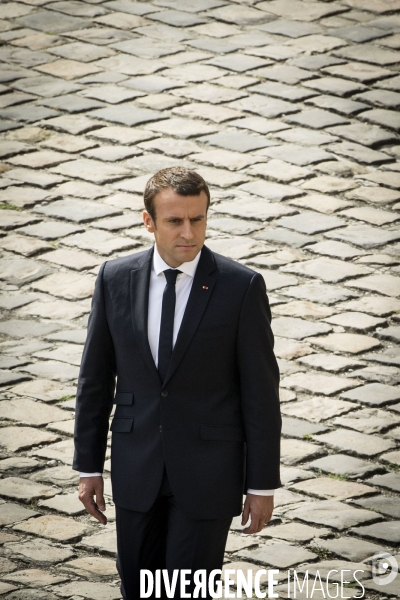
{"x": 284, "y": 236}
{"x": 53, "y": 369}
{"x": 234, "y": 141}
{"x": 182, "y": 128}
{"x": 72, "y": 259}
{"x": 327, "y": 184}
{"x": 98, "y": 241}
{"x": 296, "y": 154}
{"x": 31, "y": 594}
{"x": 353, "y": 441}
{"x": 13, "y": 513}
{"x": 296, "y": 328}
{"x": 390, "y": 333}
{"x": 279, "y": 170}
{"x": 370, "y": 135}
{"x": 303, "y": 309}
{"x": 297, "y": 428}
{"x": 371, "y": 215}
{"x": 280, "y": 555}
{"x": 88, "y": 589}
{"x": 356, "y": 320}
{"x": 326, "y": 294}
{"x": 263, "y": 209}
{"x": 24, "y": 245}
{"x": 327, "y": 269}
{"x": 296, "y": 451}
{"x": 359, "y": 153}
{"x": 388, "y": 532}
{"x": 376, "y": 394}
{"x": 295, "y": 532}
{"x": 320, "y": 202}
{"x": 384, "y": 284}
{"x": 21, "y": 464}
{"x": 366, "y": 237}
{"x": 366, "y": 73}
{"x": 77, "y": 210}
{"x": 317, "y": 408}
{"x": 38, "y": 551}
{"x": 329, "y": 488}
{"x": 105, "y": 542}
{"x": 331, "y": 513}
{"x": 288, "y": 349}
{"x": 29, "y": 412}
{"x": 61, "y": 451}
{"x": 224, "y": 158}
{"x": 296, "y": 10}
{"x": 325, "y": 566}
{"x": 25, "y": 490}
{"x": 69, "y": 353}
{"x": 352, "y": 343}
{"x": 34, "y": 577}
{"x": 350, "y": 548}
{"x": 23, "y": 438}
{"x": 24, "y": 328}
{"x": 94, "y": 566}
{"x": 310, "y": 222}
{"x": 315, "y": 118}
{"x": 218, "y": 114}
{"x": 55, "y": 528}
{"x": 35, "y": 178}
{"x": 369, "y": 53}
{"x": 72, "y": 286}
{"x": 343, "y": 106}
{"x": 6, "y": 566}
{"x": 19, "y": 271}
{"x": 387, "y": 178}
{"x": 387, "y": 505}
{"x": 345, "y": 466}
{"x": 11, "y": 219}
{"x": 264, "y": 106}
{"x": 65, "y": 503}
{"x": 378, "y": 195}
{"x": 62, "y": 476}
{"x": 385, "y": 118}
{"x": 317, "y": 383}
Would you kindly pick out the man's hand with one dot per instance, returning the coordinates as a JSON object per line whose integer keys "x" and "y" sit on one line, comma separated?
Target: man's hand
{"x": 259, "y": 508}
{"x": 90, "y": 487}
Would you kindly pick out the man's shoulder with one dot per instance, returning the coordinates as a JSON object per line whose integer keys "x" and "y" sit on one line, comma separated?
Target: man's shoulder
{"x": 231, "y": 268}
{"x": 127, "y": 263}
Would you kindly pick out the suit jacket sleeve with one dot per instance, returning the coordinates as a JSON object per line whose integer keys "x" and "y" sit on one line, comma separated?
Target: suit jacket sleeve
{"x": 259, "y": 382}
{"x": 96, "y": 386}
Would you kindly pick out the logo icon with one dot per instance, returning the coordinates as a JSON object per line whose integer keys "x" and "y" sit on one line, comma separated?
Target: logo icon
{"x": 384, "y": 568}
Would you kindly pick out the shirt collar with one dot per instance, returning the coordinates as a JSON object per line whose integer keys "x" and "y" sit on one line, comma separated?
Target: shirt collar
{"x": 159, "y": 264}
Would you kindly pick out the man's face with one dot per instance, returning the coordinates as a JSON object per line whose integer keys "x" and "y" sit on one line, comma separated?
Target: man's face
{"x": 180, "y": 226}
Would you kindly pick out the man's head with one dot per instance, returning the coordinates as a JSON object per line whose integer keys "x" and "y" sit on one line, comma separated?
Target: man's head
{"x": 176, "y": 202}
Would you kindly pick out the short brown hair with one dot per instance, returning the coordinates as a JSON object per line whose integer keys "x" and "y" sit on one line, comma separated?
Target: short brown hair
{"x": 183, "y": 181}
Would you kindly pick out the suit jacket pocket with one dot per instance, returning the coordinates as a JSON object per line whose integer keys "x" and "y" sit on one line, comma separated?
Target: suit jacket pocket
{"x": 228, "y": 433}
{"x": 125, "y": 398}
{"x": 121, "y": 425}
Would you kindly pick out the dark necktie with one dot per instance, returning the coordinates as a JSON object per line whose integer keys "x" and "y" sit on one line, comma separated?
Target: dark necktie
{"x": 167, "y": 322}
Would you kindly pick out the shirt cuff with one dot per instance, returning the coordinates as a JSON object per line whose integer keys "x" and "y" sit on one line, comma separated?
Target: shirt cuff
{"x": 262, "y": 492}
{"x": 90, "y": 474}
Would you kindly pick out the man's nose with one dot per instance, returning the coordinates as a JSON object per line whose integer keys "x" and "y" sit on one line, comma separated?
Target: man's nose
{"x": 187, "y": 232}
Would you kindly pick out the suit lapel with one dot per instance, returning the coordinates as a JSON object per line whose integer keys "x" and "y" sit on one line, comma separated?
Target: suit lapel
{"x": 140, "y": 282}
{"x": 204, "y": 280}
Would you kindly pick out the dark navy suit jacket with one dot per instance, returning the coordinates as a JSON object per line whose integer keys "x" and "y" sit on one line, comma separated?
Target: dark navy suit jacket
{"x": 214, "y": 422}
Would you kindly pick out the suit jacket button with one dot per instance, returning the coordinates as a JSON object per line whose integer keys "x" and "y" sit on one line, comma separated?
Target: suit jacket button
{"x": 164, "y": 393}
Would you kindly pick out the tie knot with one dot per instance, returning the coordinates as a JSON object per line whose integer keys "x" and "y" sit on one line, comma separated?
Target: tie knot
{"x": 171, "y": 275}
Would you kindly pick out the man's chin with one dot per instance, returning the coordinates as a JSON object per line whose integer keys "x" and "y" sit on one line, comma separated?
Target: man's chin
{"x": 187, "y": 254}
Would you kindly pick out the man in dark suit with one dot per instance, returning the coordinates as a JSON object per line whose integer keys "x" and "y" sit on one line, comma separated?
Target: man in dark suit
{"x": 186, "y": 333}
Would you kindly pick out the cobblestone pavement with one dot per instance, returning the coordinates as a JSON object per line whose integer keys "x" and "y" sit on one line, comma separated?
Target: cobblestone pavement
{"x": 289, "y": 109}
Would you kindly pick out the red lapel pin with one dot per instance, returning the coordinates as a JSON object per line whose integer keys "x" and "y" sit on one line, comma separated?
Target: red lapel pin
{"x": 205, "y": 287}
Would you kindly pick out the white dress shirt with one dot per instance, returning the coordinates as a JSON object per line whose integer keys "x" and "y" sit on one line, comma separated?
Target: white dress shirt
{"x": 184, "y": 283}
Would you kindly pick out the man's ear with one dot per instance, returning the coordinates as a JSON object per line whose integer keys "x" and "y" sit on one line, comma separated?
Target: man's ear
{"x": 148, "y": 222}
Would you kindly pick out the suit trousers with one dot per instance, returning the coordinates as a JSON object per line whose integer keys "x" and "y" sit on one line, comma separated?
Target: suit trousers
{"x": 165, "y": 538}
